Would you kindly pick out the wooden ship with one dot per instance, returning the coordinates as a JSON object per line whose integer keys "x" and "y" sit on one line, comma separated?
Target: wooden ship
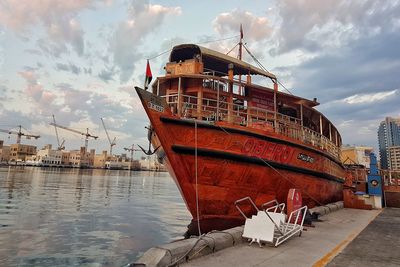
{"x": 223, "y": 137}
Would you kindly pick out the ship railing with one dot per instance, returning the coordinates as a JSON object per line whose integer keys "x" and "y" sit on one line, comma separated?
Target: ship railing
{"x": 390, "y": 177}
{"x": 252, "y": 117}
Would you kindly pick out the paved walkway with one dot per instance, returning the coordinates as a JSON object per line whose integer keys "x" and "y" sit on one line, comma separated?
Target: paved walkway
{"x": 377, "y": 245}
{"x": 317, "y": 246}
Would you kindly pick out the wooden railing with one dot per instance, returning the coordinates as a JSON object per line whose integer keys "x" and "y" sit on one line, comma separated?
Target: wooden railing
{"x": 390, "y": 177}
{"x": 239, "y": 114}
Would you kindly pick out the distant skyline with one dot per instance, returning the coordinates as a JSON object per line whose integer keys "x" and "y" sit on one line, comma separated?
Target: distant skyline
{"x": 80, "y": 59}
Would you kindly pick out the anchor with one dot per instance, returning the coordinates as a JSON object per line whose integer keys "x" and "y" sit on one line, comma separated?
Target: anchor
{"x": 149, "y": 134}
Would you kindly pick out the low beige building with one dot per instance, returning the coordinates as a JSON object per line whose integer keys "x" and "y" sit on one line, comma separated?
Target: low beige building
{"x": 100, "y": 160}
{"x": 356, "y": 155}
{"x": 46, "y": 157}
{"x": 150, "y": 163}
{"x": 4, "y": 152}
{"x": 80, "y": 158}
{"x": 19, "y": 152}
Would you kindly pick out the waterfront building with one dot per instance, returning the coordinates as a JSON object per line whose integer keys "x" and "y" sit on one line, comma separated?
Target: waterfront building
{"x": 4, "y": 152}
{"x": 19, "y": 152}
{"x": 394, "y": 158}
{"x": 81, "y": 158}
{"x": 100, "y": 160}
{"x": 150, "y": 163}
{"x": 388, "y": 136}
{"x": 356, "y": 155}
{"x": 65, "y": 158}
{"x": 46, "y": 157}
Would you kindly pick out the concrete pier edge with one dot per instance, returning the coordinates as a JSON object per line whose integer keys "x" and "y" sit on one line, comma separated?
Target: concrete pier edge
{"x": 183, "y": 250}
{"x": 323, "y": 261}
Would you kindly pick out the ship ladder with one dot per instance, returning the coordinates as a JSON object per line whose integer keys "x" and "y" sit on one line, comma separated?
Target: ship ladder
{"x": 270, "y": 224}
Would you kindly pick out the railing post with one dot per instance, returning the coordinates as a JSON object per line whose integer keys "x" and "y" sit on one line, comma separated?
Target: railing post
{"x": 275, "y": 111}
{"x": 217, "y": 115}
{"x": 302, "y": 123}
{"x": 200, "y": 104}
{"x": 320, "y": 129}
{"x": 179, "y": 108}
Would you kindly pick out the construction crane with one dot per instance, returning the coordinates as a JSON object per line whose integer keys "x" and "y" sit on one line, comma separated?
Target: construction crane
{"x": 60, "y": 146}
{"x": 131, "y": 149}
{"x": 87, "y": 134}
{"x": 112, "y": 143}
{"x": 19, "y": 134}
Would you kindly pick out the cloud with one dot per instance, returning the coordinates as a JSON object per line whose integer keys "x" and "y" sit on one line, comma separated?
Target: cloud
{"x": 107, "y": 74}
{"x": 51, "y": 48}
{"x": 3, "y": 94}
{"x": 364, "y": 66}
{"x": 70, "y": 67}
{"x": 143, "y": 19}
{"x": 368, "y": 98}
{"x": 33, "y": 52}
{"x": 58, "y": 18}
{"x": 311, "y": 25}
{"x": 254, "y": 28}
{"x": 35, "y": 90}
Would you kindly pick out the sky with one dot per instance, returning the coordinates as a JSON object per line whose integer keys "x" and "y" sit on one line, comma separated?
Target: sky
{"x": 80, "y": 59}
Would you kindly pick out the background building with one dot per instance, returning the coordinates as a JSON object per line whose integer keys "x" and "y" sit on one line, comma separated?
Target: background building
{"x": 356, "y": 155}
{"x": 46, "y": 157}
{"x": 19, "y": 152}
{"x": 388, "y": 136}
{"x": 394, "y": 158}
{"x": 4, "y": 152}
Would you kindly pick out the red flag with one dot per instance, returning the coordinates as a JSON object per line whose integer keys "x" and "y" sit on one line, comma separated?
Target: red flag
{"x": 241, "y": 32}
{"x": 149, "y": 76}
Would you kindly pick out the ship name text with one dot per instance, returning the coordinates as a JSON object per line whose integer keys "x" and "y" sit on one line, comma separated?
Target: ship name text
{"x": 155, "y": 107}
{"x": 305, "y": 158}
{"x": 267, "y": 150}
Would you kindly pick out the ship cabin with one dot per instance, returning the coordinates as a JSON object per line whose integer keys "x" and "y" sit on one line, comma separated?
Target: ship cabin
{"x": 203, "y": 84}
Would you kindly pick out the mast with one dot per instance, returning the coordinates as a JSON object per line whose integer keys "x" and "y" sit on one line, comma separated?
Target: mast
{"x": 240, "y": 56}
{"x": 240, "y": 42}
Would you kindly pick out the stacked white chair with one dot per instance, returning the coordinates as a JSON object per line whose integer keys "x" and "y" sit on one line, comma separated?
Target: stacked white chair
{"x": 271, "y": 225}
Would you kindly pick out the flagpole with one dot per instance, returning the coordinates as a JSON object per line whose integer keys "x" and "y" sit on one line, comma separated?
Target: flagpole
{"x": 145, "y": 77}
{"x": 148, "y": 77}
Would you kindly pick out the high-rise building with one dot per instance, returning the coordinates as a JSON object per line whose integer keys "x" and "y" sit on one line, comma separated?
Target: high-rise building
{"x": 388, "y": 136}
{"x": 394, "y": 158}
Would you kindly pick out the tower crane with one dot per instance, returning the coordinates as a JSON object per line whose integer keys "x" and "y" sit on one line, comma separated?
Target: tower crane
{"x": 131, "y": 149}
{"x": 87, "y": 134}
{"x": 19, "y": 134}
{"x": 112, "y": 143}
{"x": 60, "y": 146}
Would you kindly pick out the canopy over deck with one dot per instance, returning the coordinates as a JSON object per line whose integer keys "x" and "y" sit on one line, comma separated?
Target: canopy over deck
{"x": 216, "y": 61}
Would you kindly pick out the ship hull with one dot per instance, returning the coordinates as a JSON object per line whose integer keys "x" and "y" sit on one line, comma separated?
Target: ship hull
{"x": 215, "y": 164}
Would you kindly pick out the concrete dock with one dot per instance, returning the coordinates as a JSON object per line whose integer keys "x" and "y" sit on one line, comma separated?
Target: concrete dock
{"x": 377, "y": 245}
{"x": 316, "y": 247}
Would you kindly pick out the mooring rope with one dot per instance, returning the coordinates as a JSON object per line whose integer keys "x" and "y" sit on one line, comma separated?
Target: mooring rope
{"x": 196, "y": 176}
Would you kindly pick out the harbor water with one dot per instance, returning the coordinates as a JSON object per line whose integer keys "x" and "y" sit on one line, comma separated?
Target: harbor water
{"x": 74, "y": 217}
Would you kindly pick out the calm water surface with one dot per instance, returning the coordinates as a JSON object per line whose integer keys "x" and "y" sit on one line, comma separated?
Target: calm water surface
{"x": 69, "y": 217}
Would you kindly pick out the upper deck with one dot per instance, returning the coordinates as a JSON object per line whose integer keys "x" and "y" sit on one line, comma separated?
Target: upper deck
{"x": 207, "y": 85}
